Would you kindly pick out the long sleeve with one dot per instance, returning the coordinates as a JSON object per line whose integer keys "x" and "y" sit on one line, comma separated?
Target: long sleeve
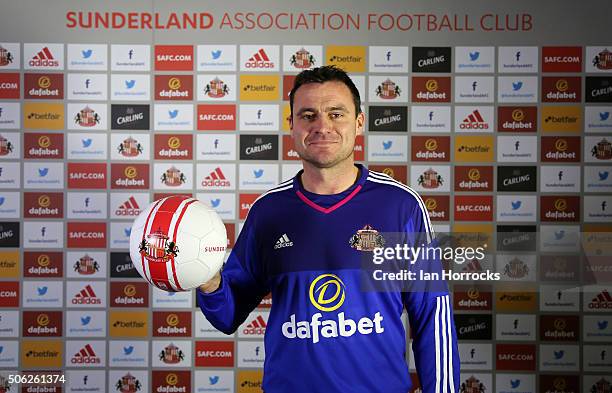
{"x": 242, "y": 286}
{"x": 431, "y": 319}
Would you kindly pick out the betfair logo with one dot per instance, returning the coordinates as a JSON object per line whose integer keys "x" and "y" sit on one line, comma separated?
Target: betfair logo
{"x": 327, "y": 292}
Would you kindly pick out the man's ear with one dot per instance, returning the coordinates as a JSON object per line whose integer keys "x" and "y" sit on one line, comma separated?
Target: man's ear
{"x": 290, "y": 120}
{"x": 360, "y": 121}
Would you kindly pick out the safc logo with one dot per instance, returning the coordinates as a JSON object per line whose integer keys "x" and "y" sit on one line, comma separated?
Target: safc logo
{"x": 173, "y": 57}
{"x": 327, "y": 293}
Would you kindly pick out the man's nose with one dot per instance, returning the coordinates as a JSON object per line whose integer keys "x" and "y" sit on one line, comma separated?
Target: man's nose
{"x": 322, "y": 124}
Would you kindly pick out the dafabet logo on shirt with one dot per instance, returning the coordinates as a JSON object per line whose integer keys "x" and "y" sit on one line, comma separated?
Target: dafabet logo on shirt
{"x": 41, "y": 354}
{"x": 43, "y": 116}
{"x": 259, "y": 87}
{"x": 349, "y": 58}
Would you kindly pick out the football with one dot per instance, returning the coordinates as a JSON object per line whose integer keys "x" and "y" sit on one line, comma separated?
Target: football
{"x": 178, "y": 243}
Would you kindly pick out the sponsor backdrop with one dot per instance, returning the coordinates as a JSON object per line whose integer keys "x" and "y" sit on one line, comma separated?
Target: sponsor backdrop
{"x": 498, "y": 114}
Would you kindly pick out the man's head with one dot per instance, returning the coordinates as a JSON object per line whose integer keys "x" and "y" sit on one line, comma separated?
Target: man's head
{"x": 322, "y": 75}
{"x": 325, "y": 116}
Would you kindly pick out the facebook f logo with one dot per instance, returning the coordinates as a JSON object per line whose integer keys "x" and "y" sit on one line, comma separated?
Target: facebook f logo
{"x": 518, "y": 55}
{"x": 42, "y": 231}
{"x": 258, "y": 114}
{"x": 474, "y": 84}
{"x": 388, "y": 55}
{"x": 0, "y": 112}
{"x": 216, "y": 143}
{"x": 603, "y": 205}
{"x": 131, "y": 53}
{"x": 256, "y": 351}
{"x": 431, "y": 116}
{"x": 87, "y": 83}
{"x": 87, "y": 202}
{"x": 516, "y": 145}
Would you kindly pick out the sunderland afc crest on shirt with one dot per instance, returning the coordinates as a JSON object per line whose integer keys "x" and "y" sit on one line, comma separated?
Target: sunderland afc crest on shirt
{"x": 366, "y": 239}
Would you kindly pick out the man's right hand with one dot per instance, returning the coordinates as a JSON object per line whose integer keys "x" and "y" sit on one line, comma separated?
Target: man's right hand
{"x": 211, "y": 285}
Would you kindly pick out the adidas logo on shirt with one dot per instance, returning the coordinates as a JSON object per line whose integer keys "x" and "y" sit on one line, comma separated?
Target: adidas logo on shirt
{"x": 282, "y": 242}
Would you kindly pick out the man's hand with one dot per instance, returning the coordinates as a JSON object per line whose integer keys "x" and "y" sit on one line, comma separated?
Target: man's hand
{"x": 212, "y": 284}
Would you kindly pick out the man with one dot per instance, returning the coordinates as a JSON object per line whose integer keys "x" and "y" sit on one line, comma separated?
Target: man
{"x": 304, "y": 241}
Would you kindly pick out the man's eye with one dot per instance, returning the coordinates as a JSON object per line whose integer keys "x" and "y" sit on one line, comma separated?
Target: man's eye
{"x": 336, "y": 115}
{"x": 308, "y": 116}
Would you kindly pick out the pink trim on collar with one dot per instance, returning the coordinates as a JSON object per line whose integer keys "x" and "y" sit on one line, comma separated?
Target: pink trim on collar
{"x": 331, "y": 208}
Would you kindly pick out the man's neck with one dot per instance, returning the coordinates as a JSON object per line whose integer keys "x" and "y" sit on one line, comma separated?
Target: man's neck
{"x": 327, "y": 181}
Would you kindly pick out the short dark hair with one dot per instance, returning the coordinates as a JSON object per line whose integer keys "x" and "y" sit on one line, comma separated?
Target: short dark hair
{"x": 325, "y": 74}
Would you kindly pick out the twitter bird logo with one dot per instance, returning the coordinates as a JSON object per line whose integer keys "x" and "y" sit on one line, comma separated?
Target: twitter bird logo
{"x": 258, "y": 173}
{"x": 128, "y": 350}
{"x": 1, "y": 348}
{"x": 43, "y": 171}
{"x": 515, "y": 383}
{"x": 131, "y": 83}
{"x": 85, "y": 320}
{"x": 516, "y": 205}
{"x": 127, "y": 231}
{"x": 387, "y": 144}
{"x": 601, "y": 325}
{"x": 517, "y": 85}
{"x": 474, "y": 55}
{"x": 215, "y": 202}
{"x": 603, "y": 116}
{"x": 214, "y": 379}
{"x": 42, "y": 291}
{"x": 173, "y": 113}
{"x": 216, "y": 54}
{"x": 559, "y": 235}
{"x": 603, "y": 175}
{"x": 86, "y": 53}
{"x": 559, "y": 354}
{"x": 86, "y": 142}
{"x": 1, "y": 201}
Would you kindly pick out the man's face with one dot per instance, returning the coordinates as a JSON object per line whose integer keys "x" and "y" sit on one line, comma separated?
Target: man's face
{"x": 323, "y": 125}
